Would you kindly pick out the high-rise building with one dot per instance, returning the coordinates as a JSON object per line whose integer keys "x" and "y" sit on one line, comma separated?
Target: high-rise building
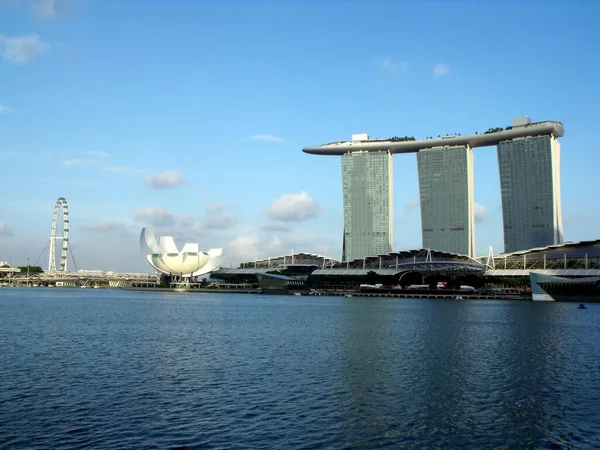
{"x": 529, "y": 161}
{"x": 530, "y": 188}
{"x": 367, "y": 192}
{"x": 447, "y": 202}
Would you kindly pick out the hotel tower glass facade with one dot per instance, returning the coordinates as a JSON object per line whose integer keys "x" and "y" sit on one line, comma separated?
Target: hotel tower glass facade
{"x": 530, "y": 187}
{"x": 367, "y": 192}
{"x": 447, "y": 202}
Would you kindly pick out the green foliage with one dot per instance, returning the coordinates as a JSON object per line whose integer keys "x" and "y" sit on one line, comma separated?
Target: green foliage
{"x": 372, "y": 276}
{"x": 32, "y": 269}
{"x": 401, "y": 139}
{"x": 508, "y": 281}
{"x": 494, "y": 130}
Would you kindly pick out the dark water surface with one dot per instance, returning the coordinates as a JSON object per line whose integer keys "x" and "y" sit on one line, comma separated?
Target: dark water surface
{"x": 118, "y": 369}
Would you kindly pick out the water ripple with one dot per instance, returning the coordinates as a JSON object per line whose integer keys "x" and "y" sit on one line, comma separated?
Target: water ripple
{"x": 115, "y": 369}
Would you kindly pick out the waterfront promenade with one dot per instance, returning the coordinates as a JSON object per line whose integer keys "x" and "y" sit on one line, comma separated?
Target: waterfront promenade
{"x": 393, "y": 293}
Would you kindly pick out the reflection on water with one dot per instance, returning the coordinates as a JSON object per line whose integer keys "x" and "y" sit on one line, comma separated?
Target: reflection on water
{"x": 110, "y": 368}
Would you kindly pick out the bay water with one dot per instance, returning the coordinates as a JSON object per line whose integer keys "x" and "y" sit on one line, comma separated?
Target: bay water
{"x": 108, "y": 368}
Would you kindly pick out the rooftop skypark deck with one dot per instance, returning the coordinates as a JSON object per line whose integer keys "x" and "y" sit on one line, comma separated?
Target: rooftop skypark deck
{"x": 489, "y": 138}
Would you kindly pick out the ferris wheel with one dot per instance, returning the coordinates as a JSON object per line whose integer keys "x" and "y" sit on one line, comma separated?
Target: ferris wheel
{"x": 60, "y": 203}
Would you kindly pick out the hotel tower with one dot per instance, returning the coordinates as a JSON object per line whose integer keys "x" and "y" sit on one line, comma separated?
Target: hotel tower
{"x": 529, "y": 166}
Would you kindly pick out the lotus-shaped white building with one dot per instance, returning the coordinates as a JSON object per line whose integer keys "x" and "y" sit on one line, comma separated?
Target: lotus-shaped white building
{"x": 189, "y": 262}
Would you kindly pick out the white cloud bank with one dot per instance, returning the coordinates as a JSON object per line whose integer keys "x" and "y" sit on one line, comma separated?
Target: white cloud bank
{"x": 481, "y": 213}
{"x": 87, "y": 158}
{"x": 277, "y": 226}
{"x": 294, "y": 208}
{"x": 166, "y": 179}
{"x": 4, "y": 230}
{"x": 6, "y": 110}
{"x": 243, "y": 247}
{"x": 105, "y": 227}
{"x": 154, "y": 215}
{"x": 22, "y": 49}
{"x": 220, "y": 217}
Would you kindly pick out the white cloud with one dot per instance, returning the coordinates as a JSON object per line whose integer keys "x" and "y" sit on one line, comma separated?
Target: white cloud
{"x": 22, "y": 49}
{"x": 249, "y": 246}
{"x": 440, "y": 69}
{"x": 298, "y": 241}
{"x": 184, "y": 227}
{"x": 4, "y": 230}
{"x": 74, "y": 162}
{"x": 294, "y": 208}
{"x": 6, "y": 110}
{"x": 45, "y": 9}
{"x": 184, "y": 234}
{"x": 220, "y": 219}
{"x": 388, "y": 65}
{"x": 87, "y": 158}
{"x": 165, "y": 180}
{"x": 274, "y": 245}
{"x": 217, "y": 217}
{"x": 244, "y": 247}
{"x": 105, "y": 227}
{"x": 330, "y": 250}
{"x": 481, "y": 213}
{"x": 277, "y": 226}
{"x": 154, "y": 215}
{"x": 264, "y": 138}
{"x": 187, "y": 221}
{"x": 216, "y": 207}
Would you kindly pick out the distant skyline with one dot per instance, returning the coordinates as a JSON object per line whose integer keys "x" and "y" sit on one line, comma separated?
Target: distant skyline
{"x": 190, "y": 117}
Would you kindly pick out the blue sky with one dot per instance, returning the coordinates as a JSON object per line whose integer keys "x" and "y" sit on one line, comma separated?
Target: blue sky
{"x": 190, "y": 116}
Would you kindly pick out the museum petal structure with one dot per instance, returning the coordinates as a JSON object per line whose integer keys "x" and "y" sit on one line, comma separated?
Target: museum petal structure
{"x": 163, "y": 255}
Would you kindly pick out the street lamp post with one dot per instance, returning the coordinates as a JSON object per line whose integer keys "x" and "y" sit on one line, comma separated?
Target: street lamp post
{"x": 27, "y": 271}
